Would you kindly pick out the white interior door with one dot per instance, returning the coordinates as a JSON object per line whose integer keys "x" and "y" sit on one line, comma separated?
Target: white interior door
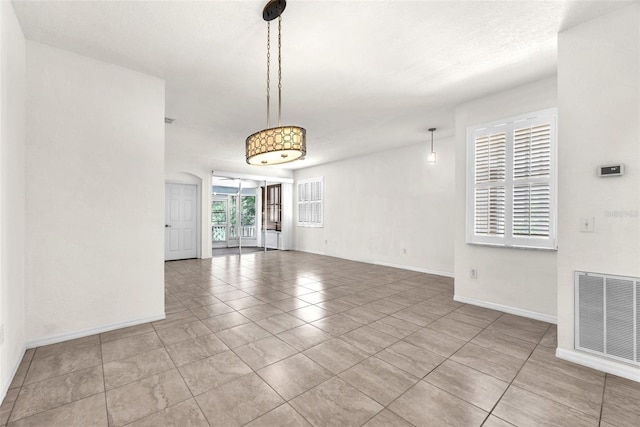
{"x": 181, "y": 221}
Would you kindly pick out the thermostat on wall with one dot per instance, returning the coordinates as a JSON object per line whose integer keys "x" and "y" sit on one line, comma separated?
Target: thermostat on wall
{"x": 611, "y": 170}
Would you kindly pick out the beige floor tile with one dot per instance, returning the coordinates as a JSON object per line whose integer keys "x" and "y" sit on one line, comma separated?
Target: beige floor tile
{"x": 23, "y": 367}
{"x": 264, "y": 352}
{"x": 420, "y": 316}
{"x": 273, "y": 296}
{"x": 559, "y": 387}
{"x": 337, "y": 324}
{"x": 260, "y": 312}
{"x": 522, "y": 408}
{"x": 425, "y": 404}
{"x": 310, "y": 313}
{"x": 620, "y": 406}
{"x": 386, "y": 418}
{"x": 66, "y": 347}
{"x": 241, "y": 335}
{"x": 314, "y": 297}
{"x": 87, "y": 412}
{"x": 289, "y": 304}
{"x": 511, "y": 346}
{"x": 175, "y": 319}
{"x": 213, "y": 371}
{"x": 125, "y": 347}
{"x": 414, "y": 360}
{"x": 369, "y": 375}
{"x": 183, "y": 332}
{"x": 207, "y": 311}
{"x": 243, "y": 303}
{"x": 187, "y": 414}
{"x": 494, "y": 421}
{"x": 435, "y": 342}
{"x": 546, "y": 356}
{"x": 225, "y": 321}
{"x": 369, "y": 340}
{"x": 144, "y": 397}
{"x": 126, "y": 332}
{"x": 364, "y": 314}
{"x": 395, "y": 327}
{"x": 337, "y": 306}
{"x": 335, "y": 402}
{"x": 53, "y": 392}
{"x": 468, "y": 319}
{"x": 283, "y": 416}
{"x": 550, "y": 338}
{"x": 7, "y": 405}
{"x": 479, "y": 312}
{"x": 280, "y": 323}
{"x": 489, "y": 361}
{"x": 238, "y": 402}
{"x": 335, "y": 355}
{"x": 196, "y": 349}
{"x": 459, "y": 330}
{"x": 231, "y": 295}
{"x": 130, "y": 369}
{"x": 294, "y": 375}
{"x": 472, "y": 386}
{"x": 525, "y": 329}
{"x": 304, "y": 337}
{"x": 63, "y": 363}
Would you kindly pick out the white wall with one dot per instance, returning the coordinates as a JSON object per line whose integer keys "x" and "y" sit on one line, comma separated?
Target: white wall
{"x": 376, "y": 206}
{"x": 12, "y": 187}
{"x": 517, "y": 280}
{"x": 184, "y": 156}
{"x": 599, "y": 109}
{"x": 95, "y": 195}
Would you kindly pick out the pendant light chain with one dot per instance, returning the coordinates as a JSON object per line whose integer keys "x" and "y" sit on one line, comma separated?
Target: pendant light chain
{"x": 279, "y": 68}
{"x": 268, "y": 72}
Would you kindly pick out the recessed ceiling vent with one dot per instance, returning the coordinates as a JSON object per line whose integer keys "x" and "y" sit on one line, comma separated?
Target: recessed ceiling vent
{"x": 608, "y": 316}
{"x": 168, "y": 120}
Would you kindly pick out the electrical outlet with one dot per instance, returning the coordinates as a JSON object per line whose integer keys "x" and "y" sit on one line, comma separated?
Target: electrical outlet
{"x": 587, "y": 225}
{"x": 473, "y": 273}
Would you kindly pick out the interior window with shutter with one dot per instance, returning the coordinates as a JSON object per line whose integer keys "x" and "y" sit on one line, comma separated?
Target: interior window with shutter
{"x": 511, "y": 190}
{"x": 310, "y": 203}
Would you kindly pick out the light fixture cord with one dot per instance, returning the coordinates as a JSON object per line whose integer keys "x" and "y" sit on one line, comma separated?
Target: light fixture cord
{"x": 268, "y": 71}
{"x": 279, "y": 68}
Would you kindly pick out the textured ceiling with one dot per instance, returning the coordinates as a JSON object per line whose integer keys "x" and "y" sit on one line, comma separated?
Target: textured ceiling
{"x": 356, "y": 74}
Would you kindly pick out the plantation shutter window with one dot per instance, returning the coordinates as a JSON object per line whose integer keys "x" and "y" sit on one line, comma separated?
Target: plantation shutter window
{"x": 511, "y": 196}
{"x": 310, "y": 203}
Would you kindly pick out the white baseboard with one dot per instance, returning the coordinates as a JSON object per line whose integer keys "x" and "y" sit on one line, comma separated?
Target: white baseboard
{"x": 605, "y": 365}
{"x": 507, "y": 309}
{"x": 384, "y": 264}
{"x": 92, "y": 331}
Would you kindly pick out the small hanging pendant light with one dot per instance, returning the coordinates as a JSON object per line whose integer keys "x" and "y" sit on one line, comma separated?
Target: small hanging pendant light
{"x": 431, "y": 157}
{"x": 281, "y": 144}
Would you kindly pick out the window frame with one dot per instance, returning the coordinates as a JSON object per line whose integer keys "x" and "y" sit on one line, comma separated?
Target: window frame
{"x": 509, "y": 125}
{"x": 308, "y": 203}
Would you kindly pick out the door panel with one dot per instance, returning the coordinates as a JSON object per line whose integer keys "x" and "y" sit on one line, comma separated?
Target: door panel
{"x": 181, "y": 226}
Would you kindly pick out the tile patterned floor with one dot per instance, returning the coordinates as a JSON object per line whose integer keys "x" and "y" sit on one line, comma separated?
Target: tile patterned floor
{"x": 293, "y": 339}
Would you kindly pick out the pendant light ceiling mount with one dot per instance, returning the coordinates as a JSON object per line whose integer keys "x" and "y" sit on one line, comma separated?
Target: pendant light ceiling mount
{"x": 281, "y": 144}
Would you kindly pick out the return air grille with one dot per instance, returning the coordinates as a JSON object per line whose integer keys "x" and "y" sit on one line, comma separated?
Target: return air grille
{"x": 607, "y": 315}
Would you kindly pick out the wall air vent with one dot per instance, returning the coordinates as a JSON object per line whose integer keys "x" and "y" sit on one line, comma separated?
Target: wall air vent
{"x": 607, "y": 316}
